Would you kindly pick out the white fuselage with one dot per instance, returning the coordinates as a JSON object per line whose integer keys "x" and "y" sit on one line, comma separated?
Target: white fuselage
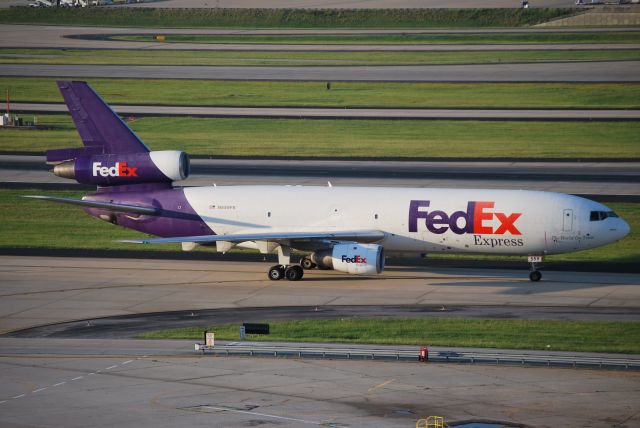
{"x": 419, "y": 220}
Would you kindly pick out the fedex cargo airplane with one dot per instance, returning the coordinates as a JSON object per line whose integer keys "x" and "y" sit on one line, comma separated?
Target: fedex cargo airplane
{"x": 348, "y": 229}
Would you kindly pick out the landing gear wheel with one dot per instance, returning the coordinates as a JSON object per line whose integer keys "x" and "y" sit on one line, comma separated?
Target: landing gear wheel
{"x": 276, "y": 272}
{"x": 307, "y": 264}
{"x": 294, "y": 273}
{"x": 535, "y": 275}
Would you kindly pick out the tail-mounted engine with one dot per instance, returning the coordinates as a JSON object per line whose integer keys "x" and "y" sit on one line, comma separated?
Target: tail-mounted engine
{"x": 357, "y": 259}
{"x": 129, "y": 168}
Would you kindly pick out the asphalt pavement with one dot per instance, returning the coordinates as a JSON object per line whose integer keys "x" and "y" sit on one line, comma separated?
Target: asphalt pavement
{"x": 604, "y": 71}
{"x": 352, "y": 113}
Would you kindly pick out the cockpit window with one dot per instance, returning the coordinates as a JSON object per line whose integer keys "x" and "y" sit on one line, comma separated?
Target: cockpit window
{"x": 601, "y": 215}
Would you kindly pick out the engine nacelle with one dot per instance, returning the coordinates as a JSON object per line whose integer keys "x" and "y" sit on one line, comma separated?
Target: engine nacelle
{"x": 130, "y": 168}
{"x": 356, "y": 259}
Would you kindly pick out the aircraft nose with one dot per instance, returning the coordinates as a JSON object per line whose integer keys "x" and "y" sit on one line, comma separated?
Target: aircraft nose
{"x": 624, "y": 228}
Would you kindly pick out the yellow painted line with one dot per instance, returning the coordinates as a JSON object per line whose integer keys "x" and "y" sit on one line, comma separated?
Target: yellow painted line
{"x": 383, "y": 384}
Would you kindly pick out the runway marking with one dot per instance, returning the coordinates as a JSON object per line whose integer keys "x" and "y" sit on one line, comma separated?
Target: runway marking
{"x": 266, "y": 415}
{"x": 74, "y": 379}
{"x": 373, "y": 388}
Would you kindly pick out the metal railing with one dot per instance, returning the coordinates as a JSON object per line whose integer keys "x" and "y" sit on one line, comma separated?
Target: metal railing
{"x": 390, "y": 354}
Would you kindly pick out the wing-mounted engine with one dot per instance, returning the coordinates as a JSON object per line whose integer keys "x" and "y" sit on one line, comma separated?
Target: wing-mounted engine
{"x": 353, "y": 258}
{"x": 126, "y": 168}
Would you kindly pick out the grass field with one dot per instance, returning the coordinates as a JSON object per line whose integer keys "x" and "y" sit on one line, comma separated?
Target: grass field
{"x": 462, "y": 38}
{"x": 354, "y": 138}
{"x": 342, "y": 94}
{"x": 50, "y": 225}
{"x": 578, "y": 336}
{"x": 282, "y": 18}
{"x": 256, "y": 58}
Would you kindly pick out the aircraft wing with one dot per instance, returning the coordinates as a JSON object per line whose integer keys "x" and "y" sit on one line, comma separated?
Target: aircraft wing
{"x": 125, "y": 208}
{"x": 286, "y": 237}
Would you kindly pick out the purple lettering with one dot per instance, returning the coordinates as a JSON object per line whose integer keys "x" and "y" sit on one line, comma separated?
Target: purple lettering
{"x": 415, "y": 214}
{"x": 436, "y": 218}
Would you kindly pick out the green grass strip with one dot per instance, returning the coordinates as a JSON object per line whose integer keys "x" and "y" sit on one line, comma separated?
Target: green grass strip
{"x": 282, "y": 18}
{"x": 354, "y": 138}
{"x": 578, "y": 336}
{"x": 268, "y": 58}
{"x": 342, "y": 94}
{"x": 400, "y": 39}
{"x": 27, "y": 223}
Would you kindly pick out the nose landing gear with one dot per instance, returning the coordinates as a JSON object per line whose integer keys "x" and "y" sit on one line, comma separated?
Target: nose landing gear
{"x": 534, "y": 274}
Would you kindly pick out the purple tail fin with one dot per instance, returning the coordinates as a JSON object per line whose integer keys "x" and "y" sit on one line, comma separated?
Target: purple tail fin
{"x": 100, "y": 128}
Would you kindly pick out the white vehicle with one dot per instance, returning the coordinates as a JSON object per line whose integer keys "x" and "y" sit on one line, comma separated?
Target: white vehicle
{"x": 349, "y": 229}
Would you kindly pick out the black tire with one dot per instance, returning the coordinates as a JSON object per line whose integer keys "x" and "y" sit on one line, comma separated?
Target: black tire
{"x": 535, "y": 275}
{"x": 307, "y": 264}
{"x": 276, "y": 273}
{"x": 294, "y": 273}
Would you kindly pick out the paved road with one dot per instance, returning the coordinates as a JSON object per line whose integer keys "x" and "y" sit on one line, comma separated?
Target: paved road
{"x": 35, "y": 36}
{"x": 67, "y": 382}
{"x": 162, "y": 383}
{"x": 46, "y": 290}
{"x": 587, "y": 178}
{"x": 353, "y": 4}
{"x": 129, "y": 326}
{"x": 622, "y": 71}
{"x": 487, "y": 170}
{"x": 331, "y": 4}
{"x": 350, "y": 113}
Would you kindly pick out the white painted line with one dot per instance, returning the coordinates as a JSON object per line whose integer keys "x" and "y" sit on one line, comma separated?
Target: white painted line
{"x": 127, "y": 362}
{"x": 38, "y": 390}
{"x": 77, "y": 378}
{"x": 61, "y": 383}
{"x": 112, "y": 367}
{"x": 264, "y": 415}
{"x": 3, "y": 401}
{"x": 91, "y": 374}
{"x": 18, "y": 396}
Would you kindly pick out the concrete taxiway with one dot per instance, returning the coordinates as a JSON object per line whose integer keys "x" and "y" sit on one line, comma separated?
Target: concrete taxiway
{"x": 161, "y": 384}
{"x": 165, "y": 383}
{"x": 598, "y": 71}
{"x": 584, "y": 178}
{"x": 46, "y": 290}
{"x": 327, "y": 4}
{"x": 351, "y": 113}
{"x": 48, "y": 36}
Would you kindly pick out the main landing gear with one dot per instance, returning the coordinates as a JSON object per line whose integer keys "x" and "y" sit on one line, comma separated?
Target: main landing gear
{"x": 292, "y": 272}
{"x": 534, "y": 274}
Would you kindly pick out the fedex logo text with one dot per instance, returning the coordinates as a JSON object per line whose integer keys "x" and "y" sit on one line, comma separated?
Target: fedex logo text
{"x": 354, "y": 259}
{"x": 474, "y": 220}
{"x": 119, "y": 170}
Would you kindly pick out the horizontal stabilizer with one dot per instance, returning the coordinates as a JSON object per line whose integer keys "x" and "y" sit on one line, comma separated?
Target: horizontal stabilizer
{"x": 356, "y": 236}
{"x": 124, "y": 208}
